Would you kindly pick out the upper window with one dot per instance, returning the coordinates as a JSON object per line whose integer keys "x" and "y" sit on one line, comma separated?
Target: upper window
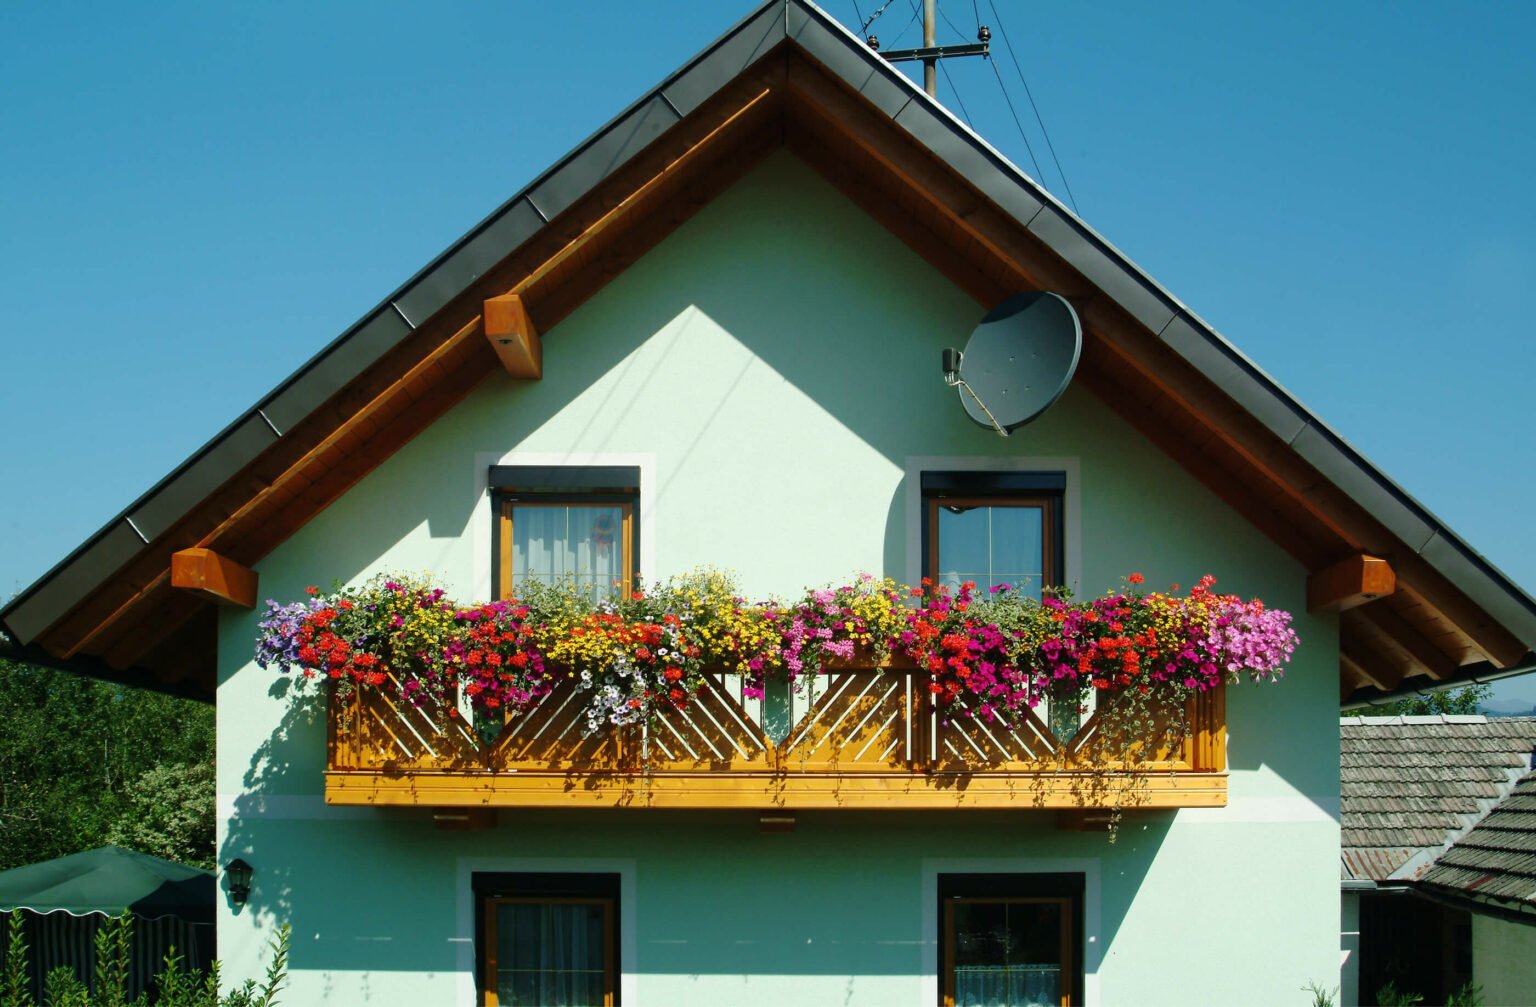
{"x": 1010, "y": 940}
{"x": 993, "y": 528}
{"x": 566, "y": 525}
{"x": 548, "y": 940}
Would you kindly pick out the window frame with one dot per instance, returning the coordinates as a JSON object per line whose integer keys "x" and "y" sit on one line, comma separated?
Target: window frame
{"x": 562, "y": 486}
{"x": 542, "y": 888}
{"x": 1066, "y": 890}
{"x": 1044, "y": 490}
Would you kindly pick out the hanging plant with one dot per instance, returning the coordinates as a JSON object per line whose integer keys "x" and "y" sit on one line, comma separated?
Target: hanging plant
{"x": 985, "y": 656}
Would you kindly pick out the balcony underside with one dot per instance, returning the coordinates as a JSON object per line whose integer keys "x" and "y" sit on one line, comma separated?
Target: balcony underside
{"x": 894, "y": 791}
{"x": 869, "y": 740}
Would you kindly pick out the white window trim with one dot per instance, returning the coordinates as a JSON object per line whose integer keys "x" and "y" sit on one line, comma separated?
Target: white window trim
{"x": 464, "y": 931}
{"x": 1093, "y": 948}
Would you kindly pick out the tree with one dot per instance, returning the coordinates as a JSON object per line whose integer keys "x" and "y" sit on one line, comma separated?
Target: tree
{"x": 77, "y": 768}
{"x": 1466, "y": 700}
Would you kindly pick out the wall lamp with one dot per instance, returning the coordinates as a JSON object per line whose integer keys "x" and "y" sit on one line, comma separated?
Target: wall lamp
{"x": 239, "y": 873}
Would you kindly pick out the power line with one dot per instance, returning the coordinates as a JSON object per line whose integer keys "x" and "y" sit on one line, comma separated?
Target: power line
{"x": 876, "y": 15}
{"x": 860, "y": 14}
{"x": 964, "y": 113}
{"x": 905, "y": 27}
{"x": 1013, "y": 55}
{"x": 1022, "y": 135}
{"x": 951, "y": 24}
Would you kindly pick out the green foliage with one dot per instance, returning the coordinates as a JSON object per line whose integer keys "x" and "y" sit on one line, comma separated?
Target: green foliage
{"x": 17, "y": 990}
{"x": 1467, "y": 995}
{"x": 173, "y": 985}
{"x": 1390, "y": 996}
{"x": 77, "y": 762}
{"x": 113, "y": 959}
{"x": 1321, "y": 995}
{"x": 171, "y": 814}
{"x": 64, "y": 989}
{"x": 1458, "y": 701}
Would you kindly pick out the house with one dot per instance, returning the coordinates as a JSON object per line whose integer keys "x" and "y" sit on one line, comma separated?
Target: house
{"x": 714, "y": 331}
{"x": 1438, "y": 874}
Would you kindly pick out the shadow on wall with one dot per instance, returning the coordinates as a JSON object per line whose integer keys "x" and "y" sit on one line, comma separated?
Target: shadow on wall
{"x": 285, "y": 763}
{"x": 374, "y": 891}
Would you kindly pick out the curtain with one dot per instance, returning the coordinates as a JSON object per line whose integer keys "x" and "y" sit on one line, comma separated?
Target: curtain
{"x": 550, "y": 954}
{"x": 582, "y": 543}
{"x": 1008, "y": 986}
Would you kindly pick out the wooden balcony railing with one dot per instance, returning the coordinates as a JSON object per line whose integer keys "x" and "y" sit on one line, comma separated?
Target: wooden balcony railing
{"x": 869, "y": 739}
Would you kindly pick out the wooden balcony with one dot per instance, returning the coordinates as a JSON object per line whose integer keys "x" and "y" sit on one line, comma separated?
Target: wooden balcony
{"x": 868, "y": 739}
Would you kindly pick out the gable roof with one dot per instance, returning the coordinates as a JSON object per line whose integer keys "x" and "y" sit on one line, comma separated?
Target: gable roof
{"x": 1496, "y": 860}
{"x": 787, "y": 75}
{"x": 1409, "y": 786}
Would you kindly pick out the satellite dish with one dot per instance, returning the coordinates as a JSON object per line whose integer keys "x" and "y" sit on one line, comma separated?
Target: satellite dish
{"x": 1018, "y": 360}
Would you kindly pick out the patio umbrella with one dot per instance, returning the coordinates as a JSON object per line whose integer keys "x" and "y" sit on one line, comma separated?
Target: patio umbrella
{"x": 113, "y": 881}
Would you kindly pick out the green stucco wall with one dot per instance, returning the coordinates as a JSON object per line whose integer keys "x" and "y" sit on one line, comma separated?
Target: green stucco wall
{"x": 1504, "y": 961}
{"x": 773, "y": 368}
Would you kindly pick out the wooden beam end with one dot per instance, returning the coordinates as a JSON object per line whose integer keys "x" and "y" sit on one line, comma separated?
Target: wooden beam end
{"x": 464, "y": 819}
{"x": 512, "y": 335}
{"x": 220, "y": 578}
{"x": 1350, "y": 583}
{"x": 1085, "y": 819}
{"x": 776, "y": 821}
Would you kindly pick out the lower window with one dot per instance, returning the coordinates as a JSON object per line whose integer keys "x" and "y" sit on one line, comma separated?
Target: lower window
{"x": 1010, "y": 940}
{"x": 548, "y": 940}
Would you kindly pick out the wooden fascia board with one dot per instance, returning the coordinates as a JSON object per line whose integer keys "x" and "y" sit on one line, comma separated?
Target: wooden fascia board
{"x": 996, "y": 240}
{"x": 717, "y": 127}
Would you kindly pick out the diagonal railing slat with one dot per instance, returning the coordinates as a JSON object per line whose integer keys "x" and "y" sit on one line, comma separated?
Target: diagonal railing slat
{"x": 871, "y": 738}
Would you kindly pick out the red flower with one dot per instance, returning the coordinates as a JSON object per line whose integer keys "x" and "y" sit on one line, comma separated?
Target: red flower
{"x": 1136, "y": 578}
{"x": 312, "y": 590}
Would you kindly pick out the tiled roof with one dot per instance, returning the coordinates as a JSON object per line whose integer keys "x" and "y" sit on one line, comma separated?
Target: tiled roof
{"x": 1497, "y": 859}
{"x": 1411, "y": 785}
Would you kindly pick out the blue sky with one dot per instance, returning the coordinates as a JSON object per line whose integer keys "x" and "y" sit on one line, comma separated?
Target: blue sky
{"x": 194, "y": 198}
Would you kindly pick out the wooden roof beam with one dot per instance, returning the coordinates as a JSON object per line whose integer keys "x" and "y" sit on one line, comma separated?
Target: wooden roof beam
{"x": 512, "y": 335}
{"x": 1350, "y": 583}
{"x": 1369, "y": 667}
{"x": 1402, "y": 635}
{"x": 218, "y": 577}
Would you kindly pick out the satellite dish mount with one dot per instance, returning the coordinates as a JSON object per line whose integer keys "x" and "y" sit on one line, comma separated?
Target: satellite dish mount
{"x": 1018, "y": 361}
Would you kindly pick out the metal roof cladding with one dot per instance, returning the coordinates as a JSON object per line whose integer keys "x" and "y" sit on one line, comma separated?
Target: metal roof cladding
{"x": 930, "y": 124}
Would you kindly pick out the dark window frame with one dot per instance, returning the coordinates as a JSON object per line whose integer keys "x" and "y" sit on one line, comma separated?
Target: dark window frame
{"x": 1046, "y": 490}
{"x": 556, "y": 485}
{"x": 542, "y": 888}
{"x": 1065, "y": 889}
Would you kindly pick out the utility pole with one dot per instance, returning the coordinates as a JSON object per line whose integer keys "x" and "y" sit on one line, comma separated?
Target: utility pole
{"x": 930, "y": 63}
{"x": 931, "y": 52}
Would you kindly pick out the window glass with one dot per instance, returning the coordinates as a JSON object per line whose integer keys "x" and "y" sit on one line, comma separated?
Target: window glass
{"x": 1011, "y": 940}
{"x": 551, "y": 954}
{"x": 579, "y": 543}
{"x": 991, "y": 545}
{"x": 1007, "y": 953}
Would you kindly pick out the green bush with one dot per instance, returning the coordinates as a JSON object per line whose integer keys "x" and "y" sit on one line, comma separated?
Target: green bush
{"x": 174, "y": 986}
